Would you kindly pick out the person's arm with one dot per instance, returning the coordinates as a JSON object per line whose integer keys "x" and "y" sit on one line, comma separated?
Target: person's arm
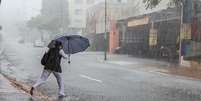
{"x": 61, "y": 52}
{"x": 46, "y": 49}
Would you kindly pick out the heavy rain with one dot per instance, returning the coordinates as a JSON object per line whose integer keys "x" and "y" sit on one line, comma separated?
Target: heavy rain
{"x": 100, "y": 50}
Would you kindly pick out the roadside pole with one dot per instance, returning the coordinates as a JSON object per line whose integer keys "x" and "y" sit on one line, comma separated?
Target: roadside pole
{"x": 105, "y": 35}
{"x": 185, "y": 33}
{"x": 180, "y": 36}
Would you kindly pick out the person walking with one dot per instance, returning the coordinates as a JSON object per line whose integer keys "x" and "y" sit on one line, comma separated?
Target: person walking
{"x": 53, "y": 66}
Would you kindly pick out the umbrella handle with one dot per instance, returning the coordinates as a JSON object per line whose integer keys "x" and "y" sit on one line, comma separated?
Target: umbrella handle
{"x": 69, "y": 59}
{"x": 68, "y": 51}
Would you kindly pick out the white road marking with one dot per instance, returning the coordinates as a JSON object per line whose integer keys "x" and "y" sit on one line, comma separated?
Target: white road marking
{"x": 90, "y": 78}
{"x": 122, "y": 63}
{"x": 118, "y": 62}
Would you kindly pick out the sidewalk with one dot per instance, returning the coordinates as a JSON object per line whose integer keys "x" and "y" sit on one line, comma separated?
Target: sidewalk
{"x": 14, "y": 90}
{"x": 152, "y": 65}
{"x": 130, "y": 62}
{"x": 9, "y": 93}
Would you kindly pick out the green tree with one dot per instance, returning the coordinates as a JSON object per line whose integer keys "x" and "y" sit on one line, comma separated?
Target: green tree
{"x": 45, "y": 23}
{"x": 152, "y": 3}
{"x": 53, "y": 17}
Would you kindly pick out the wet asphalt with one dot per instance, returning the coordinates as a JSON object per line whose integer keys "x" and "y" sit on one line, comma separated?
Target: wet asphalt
{"x": 88, "y": 78}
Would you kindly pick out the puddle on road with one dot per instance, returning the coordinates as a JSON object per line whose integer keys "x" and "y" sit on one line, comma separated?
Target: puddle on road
{"x": 178, "y": 94}
{"x": 160, "y": 94}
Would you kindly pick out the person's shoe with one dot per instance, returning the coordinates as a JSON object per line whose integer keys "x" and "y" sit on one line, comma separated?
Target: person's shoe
{"x": 62, "y": 95}
{"x": 31, "y": 91}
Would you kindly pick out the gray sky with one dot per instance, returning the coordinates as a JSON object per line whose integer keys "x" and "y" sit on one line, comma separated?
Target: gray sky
{"x": 142, "y": 10}
{"x": 19, "y": 9}
{"x": 25, "y": 9}
{"x": 15, "y": 13}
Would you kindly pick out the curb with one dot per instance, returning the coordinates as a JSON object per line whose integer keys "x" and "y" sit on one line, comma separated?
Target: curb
{"x": 24, "y": 88}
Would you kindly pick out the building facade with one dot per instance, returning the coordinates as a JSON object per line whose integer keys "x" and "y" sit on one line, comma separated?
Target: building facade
{"x": 160, "y": 34}
{"x": 77, "y": 15}
{"x": 115, "y": 9}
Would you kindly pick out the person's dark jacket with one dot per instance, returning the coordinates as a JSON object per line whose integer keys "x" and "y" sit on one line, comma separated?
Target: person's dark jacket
{"x": 54, "y": 60}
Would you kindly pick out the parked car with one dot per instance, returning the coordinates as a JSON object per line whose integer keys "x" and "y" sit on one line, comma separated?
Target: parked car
{"x": 39, "y": 43}
{"x": 20, "y": 40}
{"x": 1, "y": 45}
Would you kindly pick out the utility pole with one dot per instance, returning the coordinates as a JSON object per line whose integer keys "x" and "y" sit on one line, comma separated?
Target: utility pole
{"x": 186, "y": 20}
{"x": 105, "y": 35}
{"x": 180, "y": 36}
{"x": 62, "y": 17}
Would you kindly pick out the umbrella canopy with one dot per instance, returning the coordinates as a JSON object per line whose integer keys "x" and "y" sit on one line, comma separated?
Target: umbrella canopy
{"x": 72, "y": 44}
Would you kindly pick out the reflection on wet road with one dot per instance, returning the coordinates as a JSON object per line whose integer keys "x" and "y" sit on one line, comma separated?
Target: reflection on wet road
{"x": 88, "y": 79}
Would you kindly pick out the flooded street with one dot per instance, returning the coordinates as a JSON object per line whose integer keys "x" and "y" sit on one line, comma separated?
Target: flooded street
{"x": 88, "y": 78}
{"x": 100, "y": 50}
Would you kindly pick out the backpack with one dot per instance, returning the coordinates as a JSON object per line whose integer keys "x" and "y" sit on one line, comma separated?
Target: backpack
{"x": 45, "y": 58}
{"x": 52, "y": 62}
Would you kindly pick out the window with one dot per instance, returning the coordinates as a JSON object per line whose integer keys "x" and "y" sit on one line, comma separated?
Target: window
{"x": 119, "y": 1}
{"x": 122, "y": 1}
{"x": 78, "y": 21}
{"x": 90, "y": 2}
{"x": 79, "y": 1}
{"x": 78, "y": 11}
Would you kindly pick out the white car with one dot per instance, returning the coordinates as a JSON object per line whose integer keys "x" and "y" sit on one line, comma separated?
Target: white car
{"x": 1, "y": 46}
{"x": 39, "y": 43}
{"x": 20, "y": 40}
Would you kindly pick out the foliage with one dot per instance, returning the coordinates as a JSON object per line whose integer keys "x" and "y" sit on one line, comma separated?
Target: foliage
{"x": 153, "y": 3}
{"x": 44, "y": 23}
{"x": 53, "y": 17}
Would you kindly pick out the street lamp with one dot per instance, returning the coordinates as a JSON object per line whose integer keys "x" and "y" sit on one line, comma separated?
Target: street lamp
{"x": 105, "y": 35}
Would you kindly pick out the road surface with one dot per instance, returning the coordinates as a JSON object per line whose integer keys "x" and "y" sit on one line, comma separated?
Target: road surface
{"x": 88, "y": 78}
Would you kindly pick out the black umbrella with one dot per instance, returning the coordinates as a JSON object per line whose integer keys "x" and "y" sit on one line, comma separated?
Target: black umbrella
{"x": 72, "y": 44}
